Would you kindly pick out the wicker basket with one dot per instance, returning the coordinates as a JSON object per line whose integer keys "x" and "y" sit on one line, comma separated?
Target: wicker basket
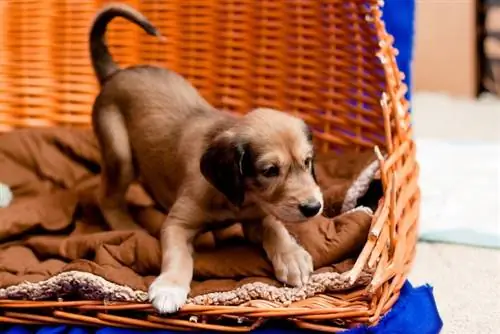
{"x": 330, "y": 62}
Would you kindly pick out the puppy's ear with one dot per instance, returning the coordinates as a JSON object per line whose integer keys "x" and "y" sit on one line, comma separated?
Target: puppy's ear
{"x": 222, "y": 166}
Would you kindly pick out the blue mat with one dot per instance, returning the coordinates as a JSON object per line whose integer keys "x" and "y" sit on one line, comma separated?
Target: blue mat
{"x": 415, "y": 312}
{"x": 399, "y": 18}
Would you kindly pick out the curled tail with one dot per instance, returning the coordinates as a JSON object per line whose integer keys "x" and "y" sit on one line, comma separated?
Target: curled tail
{"x": 102, "y": 62}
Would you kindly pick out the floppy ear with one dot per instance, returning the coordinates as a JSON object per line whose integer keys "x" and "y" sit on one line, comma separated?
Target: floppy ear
{"x": 222, "y": 166}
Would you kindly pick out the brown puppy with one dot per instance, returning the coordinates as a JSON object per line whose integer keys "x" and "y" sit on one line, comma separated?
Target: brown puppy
{"x": 206, "y": 166}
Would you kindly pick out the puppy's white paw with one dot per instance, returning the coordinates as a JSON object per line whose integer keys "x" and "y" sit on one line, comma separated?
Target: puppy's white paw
{"x": 167, "y": 297}
{"x": 292, "y": 266}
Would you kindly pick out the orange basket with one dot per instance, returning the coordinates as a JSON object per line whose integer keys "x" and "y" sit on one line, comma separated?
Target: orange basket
{"x": 330, "y": 62}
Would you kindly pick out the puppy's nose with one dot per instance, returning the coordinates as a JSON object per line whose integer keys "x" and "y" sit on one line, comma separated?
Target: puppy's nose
{"x": 310, "y": 208}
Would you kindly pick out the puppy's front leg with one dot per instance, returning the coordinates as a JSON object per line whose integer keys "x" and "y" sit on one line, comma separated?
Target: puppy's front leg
{"x": 168, "y": 292}
{"x": 292, "y": 264}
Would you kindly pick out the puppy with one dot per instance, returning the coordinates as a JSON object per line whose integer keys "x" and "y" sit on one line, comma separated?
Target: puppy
{"x": 207, "y": 167}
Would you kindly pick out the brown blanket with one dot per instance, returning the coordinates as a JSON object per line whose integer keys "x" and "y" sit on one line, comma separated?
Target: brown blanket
{"x": 53, "y": 241}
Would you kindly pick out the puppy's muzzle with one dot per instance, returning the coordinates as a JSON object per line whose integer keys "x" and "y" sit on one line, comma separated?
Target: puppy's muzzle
{"x": 310, "y": 208}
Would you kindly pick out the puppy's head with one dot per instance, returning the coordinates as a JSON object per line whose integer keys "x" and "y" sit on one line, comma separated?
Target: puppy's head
{"x": 267, "y": 157}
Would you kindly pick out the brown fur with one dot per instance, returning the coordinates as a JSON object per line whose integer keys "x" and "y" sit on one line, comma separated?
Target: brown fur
{"x": 206, "y": 166}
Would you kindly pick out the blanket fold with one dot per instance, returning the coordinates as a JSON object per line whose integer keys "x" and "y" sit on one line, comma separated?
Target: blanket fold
{"x": 54, "y": 241}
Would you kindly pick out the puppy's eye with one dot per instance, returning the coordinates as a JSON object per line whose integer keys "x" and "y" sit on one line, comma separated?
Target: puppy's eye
{"x": 271, "y": 171}
{"x": 308, "y": 163}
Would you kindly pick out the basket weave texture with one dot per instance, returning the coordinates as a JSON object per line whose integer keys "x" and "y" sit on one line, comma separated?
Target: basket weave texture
{"x": 330, "y": 62}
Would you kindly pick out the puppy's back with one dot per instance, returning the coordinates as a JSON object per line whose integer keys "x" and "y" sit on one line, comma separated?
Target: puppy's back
{"x": 147, "y": 90}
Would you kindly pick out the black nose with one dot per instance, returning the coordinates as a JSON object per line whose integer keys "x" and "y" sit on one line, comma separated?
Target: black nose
{"x": 310, "y": 209}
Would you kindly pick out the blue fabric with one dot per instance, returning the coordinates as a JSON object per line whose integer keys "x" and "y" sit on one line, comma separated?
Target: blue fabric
{"x": 415, "y": 312}
{"x": 399, "y": 18}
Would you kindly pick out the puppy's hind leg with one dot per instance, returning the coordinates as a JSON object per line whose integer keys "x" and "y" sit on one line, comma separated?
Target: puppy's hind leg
{"x": 117, "y": 167}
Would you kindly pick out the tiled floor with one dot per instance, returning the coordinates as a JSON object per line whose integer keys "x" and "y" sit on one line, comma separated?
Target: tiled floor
{"x": 440, "y": 116}
{"x": 466, "y": 279}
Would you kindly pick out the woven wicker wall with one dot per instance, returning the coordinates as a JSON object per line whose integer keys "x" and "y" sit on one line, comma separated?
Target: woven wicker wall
{"x": 313, "y": 58}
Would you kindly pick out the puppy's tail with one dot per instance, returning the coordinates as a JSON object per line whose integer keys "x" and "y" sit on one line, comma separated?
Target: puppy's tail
{"x": 103, "y": 63}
